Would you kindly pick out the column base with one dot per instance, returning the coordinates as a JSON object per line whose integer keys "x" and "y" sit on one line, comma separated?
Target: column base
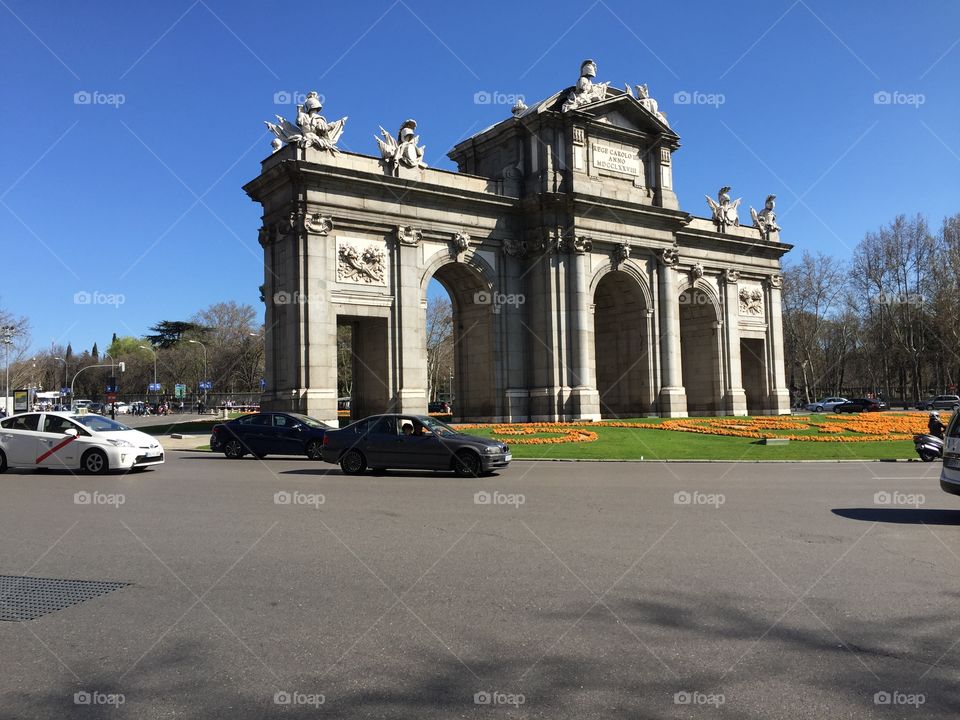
{"x": 672, "y": 402}
{"x": 584, "y": 403}
{"x": 543, "y": 404}
{"x": 319, "y": 404}
{"x": 778, "y": 402}
{"x": 412, "y": 400}
{"x": 735, "y": 403}
{"x": 516, "y": 403}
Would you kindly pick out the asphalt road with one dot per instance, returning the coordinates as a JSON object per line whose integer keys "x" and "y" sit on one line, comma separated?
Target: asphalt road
{"x": 583, "y": 590}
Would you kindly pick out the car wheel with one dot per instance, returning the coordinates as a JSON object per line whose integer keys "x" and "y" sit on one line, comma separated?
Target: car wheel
{"x": 3, "y": 462}
{"x": 233, "y": 449}
{"x": 315, "y": 450}
{"x": 353, "y": 463}
{"x": 467, "y": 464}
{"x": 819, "y": 408}
{"x": 95, "y": 462}
{"x": 928, "y": 455}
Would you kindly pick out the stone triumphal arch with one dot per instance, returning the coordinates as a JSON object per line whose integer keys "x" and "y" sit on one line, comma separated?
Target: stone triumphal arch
{"x": 579, "y": 287}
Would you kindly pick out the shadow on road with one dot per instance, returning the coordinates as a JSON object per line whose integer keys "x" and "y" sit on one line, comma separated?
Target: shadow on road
{"x": 901, "y": 516}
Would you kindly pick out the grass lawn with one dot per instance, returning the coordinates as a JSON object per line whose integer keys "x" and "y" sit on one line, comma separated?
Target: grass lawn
{"x": 637, "y": 443}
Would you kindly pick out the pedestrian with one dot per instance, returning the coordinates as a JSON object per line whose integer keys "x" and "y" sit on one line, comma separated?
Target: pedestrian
{"x": 935, "y": 425}
{"x": 113, "y": 411}
{"x": 200, "y": 407}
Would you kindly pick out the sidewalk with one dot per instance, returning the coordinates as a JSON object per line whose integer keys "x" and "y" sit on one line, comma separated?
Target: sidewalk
{"x": 185, "y": 442}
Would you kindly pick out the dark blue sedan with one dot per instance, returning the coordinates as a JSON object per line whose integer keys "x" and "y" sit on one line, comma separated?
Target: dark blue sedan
{"x": 270, "y": 433}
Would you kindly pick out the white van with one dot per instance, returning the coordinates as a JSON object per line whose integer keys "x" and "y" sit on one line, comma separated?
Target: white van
{"x": 950, "y": 474}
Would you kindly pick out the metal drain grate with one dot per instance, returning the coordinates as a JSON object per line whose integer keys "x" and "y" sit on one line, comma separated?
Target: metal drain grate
{"x": 27, "y": 598}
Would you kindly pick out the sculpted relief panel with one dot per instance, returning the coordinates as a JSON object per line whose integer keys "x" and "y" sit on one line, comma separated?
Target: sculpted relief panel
{"x": 361, "y": 262}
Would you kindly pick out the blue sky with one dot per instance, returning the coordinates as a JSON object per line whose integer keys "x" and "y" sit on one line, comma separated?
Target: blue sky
{"x": 142, "y": 199}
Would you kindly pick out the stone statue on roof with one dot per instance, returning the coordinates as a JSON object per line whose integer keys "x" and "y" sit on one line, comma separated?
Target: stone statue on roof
{"x": 585, "y": 91}
{"x": 311, "y": 130}
{"x": 766, "y": 220}
{"x": 402, "y": 151}
{"x": 724, "y": 211}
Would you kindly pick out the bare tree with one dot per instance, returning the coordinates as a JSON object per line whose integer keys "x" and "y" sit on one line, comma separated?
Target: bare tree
{"x": 439, "y": 344}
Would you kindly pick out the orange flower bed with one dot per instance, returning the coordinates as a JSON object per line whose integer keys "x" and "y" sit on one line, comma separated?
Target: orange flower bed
{"x": 566, "y": 433}
{"x": 866, "y": 427}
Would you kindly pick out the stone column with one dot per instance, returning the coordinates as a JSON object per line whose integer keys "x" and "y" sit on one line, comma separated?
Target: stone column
{"x": 779, "y": 399}
{"x": 650, "y": 398}
{"x": 672, "y": 397}
{"x": 516, "y": 401}
{"x": 586, "y": 399}
{"x": 319, "y": 321}
{"x": 408, "y": 388}
{"x": 735, "y": 402}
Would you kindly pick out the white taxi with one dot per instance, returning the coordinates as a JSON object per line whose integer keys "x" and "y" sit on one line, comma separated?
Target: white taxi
{"x": 950, "y": 473}
{"x": 66, "y": 440}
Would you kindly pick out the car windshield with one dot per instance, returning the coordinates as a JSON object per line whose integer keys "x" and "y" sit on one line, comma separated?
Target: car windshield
{"x": 438, "y": 427}
{"x": 98, "y": 423}
{"x": 310, "y": 422}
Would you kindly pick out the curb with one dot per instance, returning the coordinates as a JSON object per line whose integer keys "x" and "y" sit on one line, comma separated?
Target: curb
{"x": 724, "y": 462}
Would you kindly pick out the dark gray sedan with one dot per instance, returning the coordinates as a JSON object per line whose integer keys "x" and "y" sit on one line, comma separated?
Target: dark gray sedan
{"x": 411, "y": 442}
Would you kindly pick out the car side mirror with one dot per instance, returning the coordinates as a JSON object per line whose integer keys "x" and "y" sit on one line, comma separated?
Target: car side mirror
{"x": 72, "y": 432}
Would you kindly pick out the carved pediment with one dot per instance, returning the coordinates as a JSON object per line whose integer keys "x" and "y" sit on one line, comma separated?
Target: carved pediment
{"x": 626, "y": 112}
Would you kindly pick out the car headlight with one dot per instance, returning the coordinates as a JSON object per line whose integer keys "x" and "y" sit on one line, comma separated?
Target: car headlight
{"x": 492, "y": 449}
{"x": 120, "y": 443}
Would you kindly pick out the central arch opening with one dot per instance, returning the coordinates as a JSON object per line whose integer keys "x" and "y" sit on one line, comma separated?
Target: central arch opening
{"x": 622, "y": 356}
{"x": 699, "y": 352}
{"x": 459, "y": 313}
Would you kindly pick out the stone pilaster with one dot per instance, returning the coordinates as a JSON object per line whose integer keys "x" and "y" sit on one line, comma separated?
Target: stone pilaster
{"x": 735, "y": 400}
{"x": 410, "y": 361}
{"x": 586, "y": 399}
{"x": 779, "y": 399}
{"x": 672, "y": 398}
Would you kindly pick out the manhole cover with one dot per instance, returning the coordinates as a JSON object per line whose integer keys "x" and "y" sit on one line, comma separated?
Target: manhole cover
{"x": 27, "y": 598}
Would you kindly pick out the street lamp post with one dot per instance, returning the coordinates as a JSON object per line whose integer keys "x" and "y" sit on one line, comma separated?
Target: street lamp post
{"x": 197, "y": 342}
{"x": 144, "y": 347}
{"x": 6, "y": 337}
{"x": 64, "y": 361}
